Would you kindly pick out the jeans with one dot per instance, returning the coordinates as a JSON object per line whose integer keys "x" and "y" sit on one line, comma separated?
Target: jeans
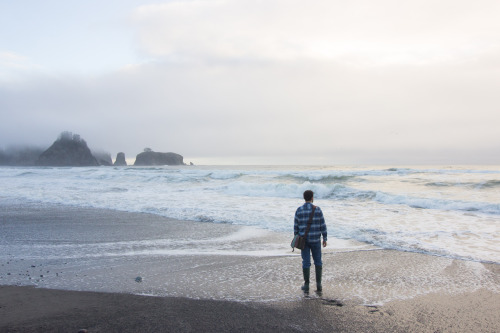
{"x": 315, "y": 249}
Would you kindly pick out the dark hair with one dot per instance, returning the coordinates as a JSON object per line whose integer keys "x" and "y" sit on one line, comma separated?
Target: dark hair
{"x": 308, "y": 195}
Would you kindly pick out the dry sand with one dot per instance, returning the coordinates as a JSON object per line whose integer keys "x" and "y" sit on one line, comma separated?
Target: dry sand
{"x": 364, "y": 291}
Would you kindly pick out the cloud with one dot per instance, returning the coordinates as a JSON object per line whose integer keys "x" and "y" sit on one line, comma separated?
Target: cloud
{"x": 325, "y": 81}
{"x": 10, "y": 59}
{"x": 359, "y": 32}
{"x": 263, "y": 110}
{"x": 13, "y": 65}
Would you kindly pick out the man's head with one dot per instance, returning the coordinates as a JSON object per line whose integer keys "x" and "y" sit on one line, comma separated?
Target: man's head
{"x": 308, "y": 195}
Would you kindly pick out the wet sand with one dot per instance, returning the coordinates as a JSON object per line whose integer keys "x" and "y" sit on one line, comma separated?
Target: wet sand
{"x": 26, "y": 309}
{"x": 364, "y": 291}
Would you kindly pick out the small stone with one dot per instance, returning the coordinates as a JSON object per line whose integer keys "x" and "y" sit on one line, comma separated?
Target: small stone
{"x": 138, "y": 279}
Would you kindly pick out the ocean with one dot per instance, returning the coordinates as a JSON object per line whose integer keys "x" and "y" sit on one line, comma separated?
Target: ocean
{"x": 448, "y": 211}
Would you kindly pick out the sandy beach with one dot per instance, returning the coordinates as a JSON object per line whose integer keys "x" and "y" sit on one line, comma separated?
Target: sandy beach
{"x": 364, "y": 290}
{"x": 26, "y": 309}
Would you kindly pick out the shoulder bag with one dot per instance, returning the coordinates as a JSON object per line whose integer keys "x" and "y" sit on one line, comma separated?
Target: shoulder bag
{"x": 298, "y": 241}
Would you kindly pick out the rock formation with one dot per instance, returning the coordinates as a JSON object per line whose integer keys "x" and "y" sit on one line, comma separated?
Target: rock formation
{"x": 20, "y": 156}
{"x": 103, "y": 158}
{"x": 149, "y": 157}
{"x": 68, "y": 150}
{"x": 120, "y": 160}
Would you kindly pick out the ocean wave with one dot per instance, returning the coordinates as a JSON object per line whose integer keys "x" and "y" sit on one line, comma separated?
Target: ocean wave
{"x": 343, "y": 192}
{"x": 27, "y": 173}
{"x": 412, "y": 241}
{"x": 190, "y": 176}
{"x": 225, "y": 175}
{"x": 277, "y": 190}
{"x": 476, "y": 185}
{"x": 442, "y": 184}
{"x": 441, "y": 204}
{"x": 327, "y": 179}
{"x": 368, "y": 203}
{"x": 489, "y": 184}
{"x": 115, "y": 190}
{"x": 459, "y": 171}
{"x": 312, "y": 176}
{"x": 346, "y": 175}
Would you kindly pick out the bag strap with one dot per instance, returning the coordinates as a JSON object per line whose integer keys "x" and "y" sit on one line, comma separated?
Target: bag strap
{"x": 309, "y": 222}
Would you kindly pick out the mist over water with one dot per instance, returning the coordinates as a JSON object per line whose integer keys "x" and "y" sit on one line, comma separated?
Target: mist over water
{"x": 446, "y": 211}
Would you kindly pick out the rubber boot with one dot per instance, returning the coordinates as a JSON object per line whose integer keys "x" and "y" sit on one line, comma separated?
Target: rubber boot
{"x": 319, "y": 272}
{"x": 307, "y": 273}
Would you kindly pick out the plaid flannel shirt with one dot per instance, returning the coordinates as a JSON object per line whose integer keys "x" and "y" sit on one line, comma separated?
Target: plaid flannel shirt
{"x": 318, "y": 226}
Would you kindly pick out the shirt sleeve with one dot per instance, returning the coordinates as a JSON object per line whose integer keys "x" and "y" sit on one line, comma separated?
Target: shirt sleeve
{"x": 323, "y": 227}
{"x": 295, "y": 225}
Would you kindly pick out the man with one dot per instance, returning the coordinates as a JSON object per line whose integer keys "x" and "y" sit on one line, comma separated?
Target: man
{"x": 313, "y": 239}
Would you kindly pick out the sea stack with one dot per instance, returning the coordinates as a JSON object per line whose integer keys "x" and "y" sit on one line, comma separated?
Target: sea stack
{"x": 68, "y": 150}
{"x": 149, "y": 157}
{"x": 120, "y": 160}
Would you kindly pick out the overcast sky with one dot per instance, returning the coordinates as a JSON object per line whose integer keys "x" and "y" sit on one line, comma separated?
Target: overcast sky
{"x": 256, "y": 81}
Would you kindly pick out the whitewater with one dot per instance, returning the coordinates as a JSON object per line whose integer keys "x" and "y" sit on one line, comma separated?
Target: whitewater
{"x": 450, "y": 211}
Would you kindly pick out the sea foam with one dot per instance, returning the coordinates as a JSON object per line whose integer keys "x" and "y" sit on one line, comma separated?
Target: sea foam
{"x": 452, "y": 211}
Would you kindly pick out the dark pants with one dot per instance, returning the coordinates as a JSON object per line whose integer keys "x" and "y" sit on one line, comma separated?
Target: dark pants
{"x": 315, "y": 249}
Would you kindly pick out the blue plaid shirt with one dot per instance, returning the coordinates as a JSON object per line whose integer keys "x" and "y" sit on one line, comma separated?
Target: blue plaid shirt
{"x": 318, "y": 226}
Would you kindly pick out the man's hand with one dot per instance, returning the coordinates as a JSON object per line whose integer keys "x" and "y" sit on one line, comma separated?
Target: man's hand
{"x": 324, "y": 243}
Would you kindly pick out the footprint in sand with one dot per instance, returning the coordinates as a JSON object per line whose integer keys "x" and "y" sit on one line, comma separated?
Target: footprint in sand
{"x": 332, "y": 302}
{"x": 373, "y": 309}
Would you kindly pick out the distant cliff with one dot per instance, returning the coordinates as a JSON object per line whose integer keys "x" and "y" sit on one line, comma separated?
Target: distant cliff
{"x": 149, "y": 157}
{"x": 68, "y": 150}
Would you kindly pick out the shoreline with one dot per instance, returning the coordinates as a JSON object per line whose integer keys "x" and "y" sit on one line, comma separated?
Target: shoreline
{"x": 382, "y": 290}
